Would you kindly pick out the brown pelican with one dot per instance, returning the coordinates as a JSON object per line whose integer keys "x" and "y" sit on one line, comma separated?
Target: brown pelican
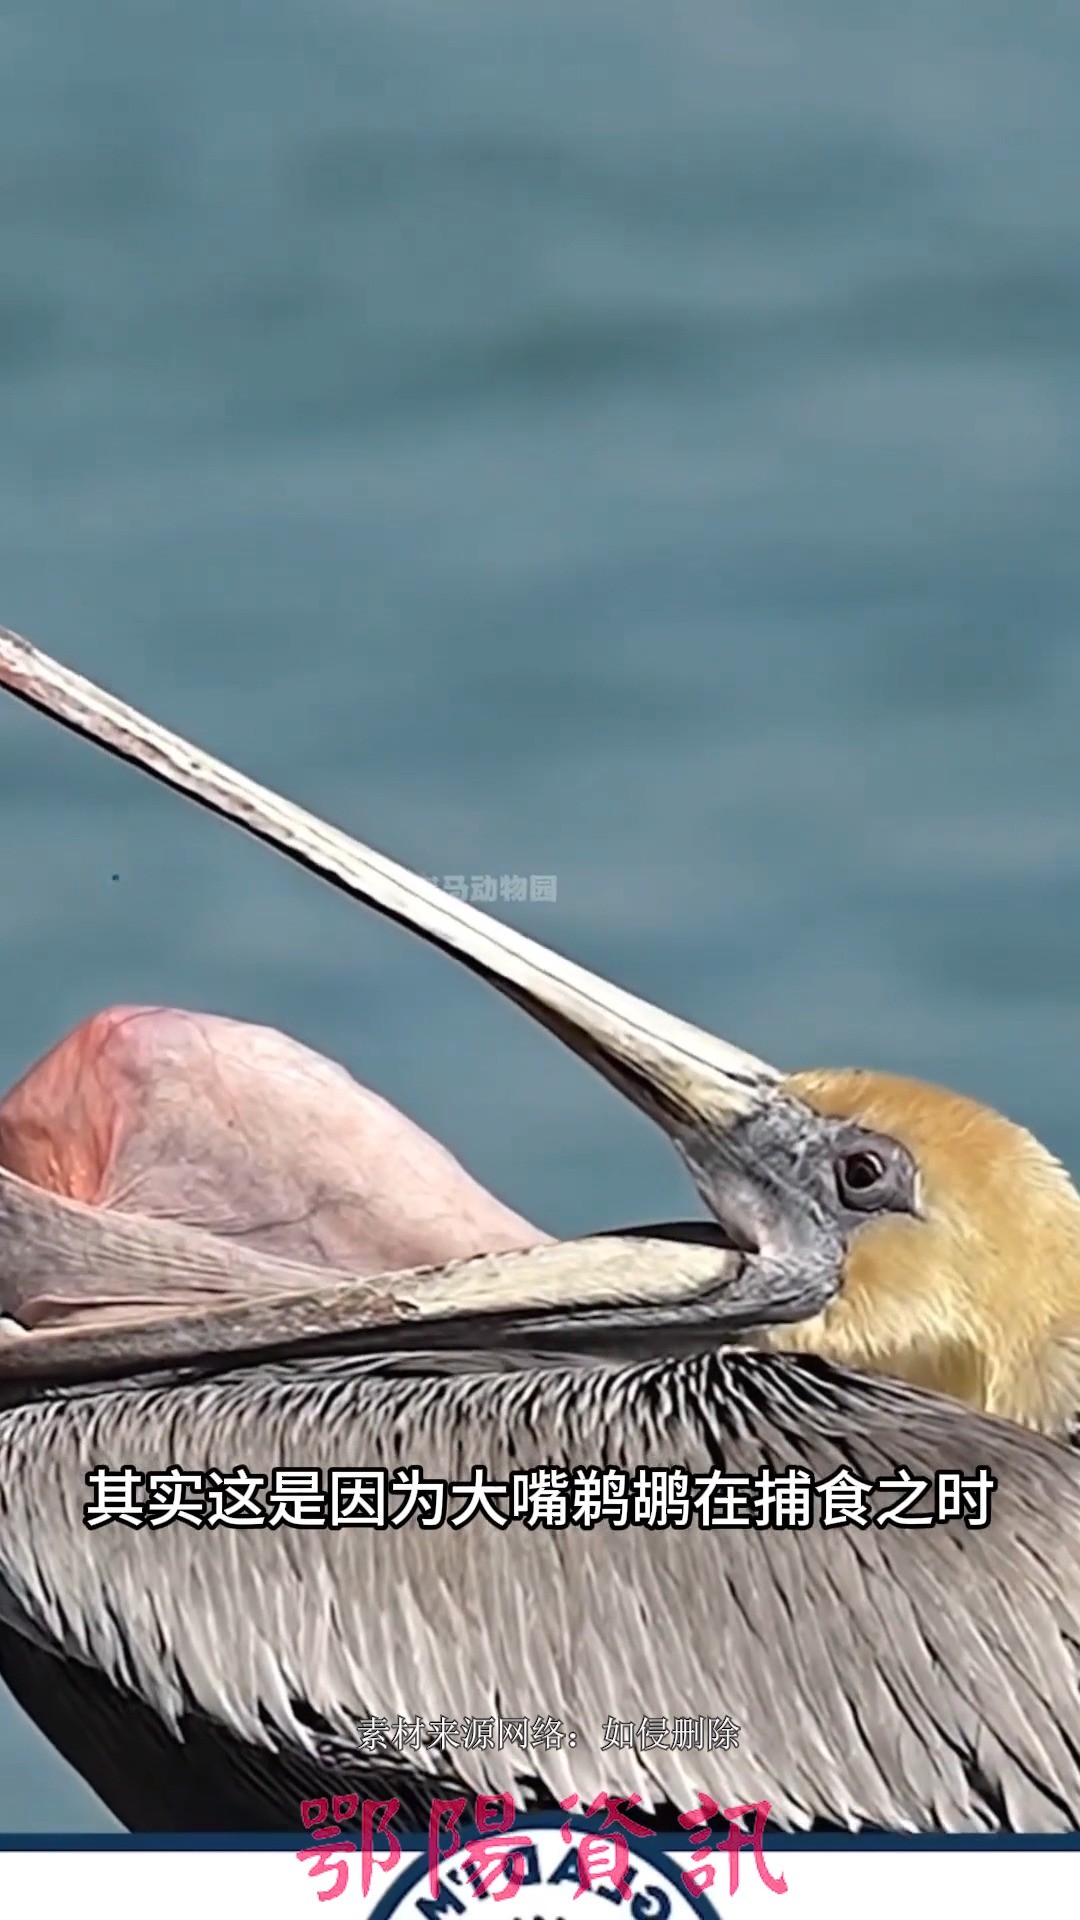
{"x": 907, "y": 1677}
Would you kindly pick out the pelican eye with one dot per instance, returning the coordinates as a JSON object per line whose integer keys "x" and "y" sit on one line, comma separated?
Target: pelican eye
{"x": 858, "y": 1175}
{"x": 872, "y": 1173}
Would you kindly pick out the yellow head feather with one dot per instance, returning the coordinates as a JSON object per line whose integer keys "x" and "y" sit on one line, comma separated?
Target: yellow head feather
{"x": 980, "y": 1296}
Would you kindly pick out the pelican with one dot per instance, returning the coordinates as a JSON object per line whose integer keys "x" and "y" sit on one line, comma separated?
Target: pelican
{"x": 907, "y": 1678}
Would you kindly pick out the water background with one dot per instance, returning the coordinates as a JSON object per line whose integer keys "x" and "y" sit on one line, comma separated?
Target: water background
{"x": 626, "y": 443}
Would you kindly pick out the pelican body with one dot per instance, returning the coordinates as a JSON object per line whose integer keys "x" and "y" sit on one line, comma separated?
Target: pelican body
{"x": 157, "y": 1312}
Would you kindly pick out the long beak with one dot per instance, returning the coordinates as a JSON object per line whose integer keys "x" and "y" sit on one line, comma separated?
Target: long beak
{"x": 736, "y": 1127}
{"x": 677, "y": 1072}
{"x": 613, "y": 1294}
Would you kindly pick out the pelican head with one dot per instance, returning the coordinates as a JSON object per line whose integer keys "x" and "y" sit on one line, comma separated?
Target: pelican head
{"x": 878, "y": 1222}
{"x": 973, "y": 1290}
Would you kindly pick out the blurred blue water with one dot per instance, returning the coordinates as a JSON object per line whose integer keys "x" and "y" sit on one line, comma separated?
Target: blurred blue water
{"x": 626, "y": 443}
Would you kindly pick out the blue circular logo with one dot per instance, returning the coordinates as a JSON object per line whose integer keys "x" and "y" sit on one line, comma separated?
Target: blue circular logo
{"x": 546, "y": 1872}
